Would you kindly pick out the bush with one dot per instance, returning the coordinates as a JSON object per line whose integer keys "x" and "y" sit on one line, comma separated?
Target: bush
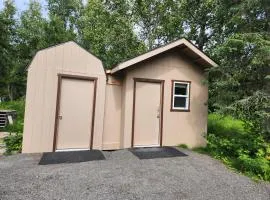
{"x": 232, "y": 142}
{"x": 13, "y": 141}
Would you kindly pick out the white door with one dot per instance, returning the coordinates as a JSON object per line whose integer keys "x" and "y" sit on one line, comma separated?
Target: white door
{"x": 75, "y": 114}
{"x": 147, "y": 114}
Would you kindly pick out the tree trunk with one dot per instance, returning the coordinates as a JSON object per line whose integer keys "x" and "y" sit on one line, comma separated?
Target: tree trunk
{"x": 201, "y": 38}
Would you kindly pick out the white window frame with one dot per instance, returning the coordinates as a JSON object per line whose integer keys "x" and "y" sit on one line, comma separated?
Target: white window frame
{"x": 186, "y": 108}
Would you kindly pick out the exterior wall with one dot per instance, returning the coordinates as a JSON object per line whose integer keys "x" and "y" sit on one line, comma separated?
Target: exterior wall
{"x": 41, "y": 95}
{"x": 113, "y": 113}
{"x": 178, "y": 127}
{"x": 112, "y": 120}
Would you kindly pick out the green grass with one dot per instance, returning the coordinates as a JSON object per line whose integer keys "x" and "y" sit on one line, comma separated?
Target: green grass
{"x": 224, "y": 125}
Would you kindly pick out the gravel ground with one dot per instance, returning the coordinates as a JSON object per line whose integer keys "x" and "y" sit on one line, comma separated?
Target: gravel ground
{"x": 124, "y": 176}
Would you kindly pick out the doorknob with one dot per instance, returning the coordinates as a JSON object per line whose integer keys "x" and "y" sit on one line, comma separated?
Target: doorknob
{"x": 158, "y": 113}
{"x": 60, "y": 117}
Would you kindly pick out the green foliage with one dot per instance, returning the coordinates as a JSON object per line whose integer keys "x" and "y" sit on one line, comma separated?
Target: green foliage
{"x": 157, "y": 22}
{"x": 224, "y": 125}
{"x": 8, "y": 65}
{"x": 13, "y": 141}
{"x": 14, "y": 105}
{"x": 108, "y": 33}
{"x": 63, "y": 21}
{"x": 19, "y": 106}
{"x": 205, "y": 21}
{"x": 68, "y": 11}
{"x": 240, "y": 86}
{"x": 230, "y": 141}
{"x": 31, "y": 33}
{"x": 258, "y": 166}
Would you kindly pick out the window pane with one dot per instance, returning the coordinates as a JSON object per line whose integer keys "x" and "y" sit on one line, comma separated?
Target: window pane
{"x": 180, "y": 102}
{"x": 180, "y": 89}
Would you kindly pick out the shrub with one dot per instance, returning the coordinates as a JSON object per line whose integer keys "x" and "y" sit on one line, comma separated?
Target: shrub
{"x": 258, "y": 166}
{"x": 13, "y": 141}
{"x": 232, "y": 142}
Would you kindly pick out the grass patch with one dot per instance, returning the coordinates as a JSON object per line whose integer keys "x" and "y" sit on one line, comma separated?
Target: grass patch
{"x": 225, "y": 125}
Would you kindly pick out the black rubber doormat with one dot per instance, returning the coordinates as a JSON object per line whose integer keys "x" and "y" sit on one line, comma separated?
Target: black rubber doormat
{"x": 70, "y": 157}
{"x": 156, "y": 152}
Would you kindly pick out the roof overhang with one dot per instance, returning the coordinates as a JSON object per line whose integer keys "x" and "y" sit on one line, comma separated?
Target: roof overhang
{"x": 183, "y": 45}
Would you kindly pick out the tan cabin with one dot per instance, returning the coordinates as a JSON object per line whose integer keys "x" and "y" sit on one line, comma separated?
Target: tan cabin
{"x": 155, "y": 99}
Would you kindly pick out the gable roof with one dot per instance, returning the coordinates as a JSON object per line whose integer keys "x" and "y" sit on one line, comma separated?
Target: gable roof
{"x": 183, "y": 44}
{"x": 61, "y": 44}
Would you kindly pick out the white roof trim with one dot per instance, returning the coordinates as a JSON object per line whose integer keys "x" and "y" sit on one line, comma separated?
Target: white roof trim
{"x": 162, "y": 49}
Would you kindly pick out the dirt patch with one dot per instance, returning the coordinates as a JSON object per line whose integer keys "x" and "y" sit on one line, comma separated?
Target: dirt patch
{"x": 3, "y": 134}
{"x": 2, "y": 145}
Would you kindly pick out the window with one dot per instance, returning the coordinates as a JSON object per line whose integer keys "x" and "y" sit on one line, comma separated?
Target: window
{"x": 180, "y": 95}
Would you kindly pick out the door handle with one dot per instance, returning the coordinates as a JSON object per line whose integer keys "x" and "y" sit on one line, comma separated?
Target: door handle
{"x": 158, "y": 113}
{"x": 60, "y": 117}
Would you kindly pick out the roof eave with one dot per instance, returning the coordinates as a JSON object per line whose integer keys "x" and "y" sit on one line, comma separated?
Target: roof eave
{"x": 162, "y": 49}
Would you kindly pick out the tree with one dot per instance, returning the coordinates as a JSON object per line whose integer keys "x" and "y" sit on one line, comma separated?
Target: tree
{"x": 68, "y": 12}
{"x": 108, "y": 34}
{"x": 251, "y": 16}
{"x": 62, "y": 25}
{"x": 29, "y": 39}
{"x": 8, "y": 65}
{"x": 240, "y": 85}
{"x": 157, "y": 22}
{"x": 31, "y": 33}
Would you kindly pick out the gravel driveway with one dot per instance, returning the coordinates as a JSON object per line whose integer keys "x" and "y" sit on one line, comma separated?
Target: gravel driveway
{"x": 124, "y": 176}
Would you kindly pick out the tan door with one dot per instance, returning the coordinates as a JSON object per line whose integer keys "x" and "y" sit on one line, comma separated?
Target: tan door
{"x": 147, "y": 114}
{"x": 75, "y": 114}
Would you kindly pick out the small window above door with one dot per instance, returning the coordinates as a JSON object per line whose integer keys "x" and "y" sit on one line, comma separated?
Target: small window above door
{"x": 180, "y": 96}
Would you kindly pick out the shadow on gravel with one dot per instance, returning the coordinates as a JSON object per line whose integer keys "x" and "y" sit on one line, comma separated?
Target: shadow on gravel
{"x": 156, "y": 152}
{"x": 70, "y": 157}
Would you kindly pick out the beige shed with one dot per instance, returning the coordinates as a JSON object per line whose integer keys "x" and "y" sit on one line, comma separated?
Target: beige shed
{"x": 155, "y": 99}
